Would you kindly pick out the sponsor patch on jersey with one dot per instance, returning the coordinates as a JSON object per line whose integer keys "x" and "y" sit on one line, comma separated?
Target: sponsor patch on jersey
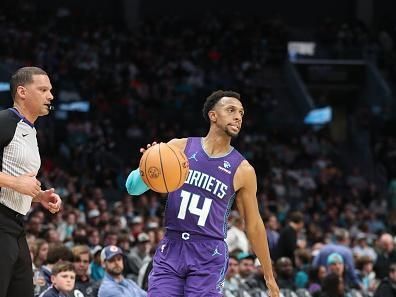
{"x": 224, "y": 170}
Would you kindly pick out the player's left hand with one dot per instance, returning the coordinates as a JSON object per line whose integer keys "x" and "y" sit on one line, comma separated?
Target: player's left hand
{"x": 50, "y": 200}
{"x": 142, "y": 149}
{"x": 272, "y": 288}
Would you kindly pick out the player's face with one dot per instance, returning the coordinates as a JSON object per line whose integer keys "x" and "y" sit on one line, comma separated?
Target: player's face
{"x": 228, "y": 115}
{"x": 38, "y": 95}
{"x": 64, "y": 281}
{"x": 115, "y": 266}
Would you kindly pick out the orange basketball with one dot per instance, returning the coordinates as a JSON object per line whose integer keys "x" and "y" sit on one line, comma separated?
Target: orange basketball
{"x": 164, "y": 168}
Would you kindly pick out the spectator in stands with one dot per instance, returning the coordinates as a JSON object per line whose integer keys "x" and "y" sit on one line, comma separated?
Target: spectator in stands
{"x": 40, "y": 252}
{"x": 333, "y": 286}
{"x": 145, "y": 270}
{"x": 316, "y": 276}
{"x": 285, "y": 273}
{"x": 386, "y": 255}
{"x": 231, "y": 284}
{"x": 364, "y": 266}
{"x": 79, "y": 237}
{"x": 96, "y": 268}
{"x": 66, "y": 228}
{"x": 287, "y": 243}
{"x": 63, "y": 280}
{"x": 139, "y": 254}
{"x": 114, "y": 284}
{"x": 137, "y": 226}
{"x": 56, "y": 252}
{"x": 245, "y": 267}
{"x": 272, "y": 227}
{"x": 255, "y": 283}
{"x": 236, "y": 237}
{"x": 81, "y": 260}
{"x": 93, "y": 238}
{"x": 110, "y": 238}
{"x": 335, "y": 265}
{"x": 362, "y": 248}
{"x": 124, "y": 243}
{"x": 303, "y": 261}
{"x": 340, "y": 246}
{"x": 387, "y": 287}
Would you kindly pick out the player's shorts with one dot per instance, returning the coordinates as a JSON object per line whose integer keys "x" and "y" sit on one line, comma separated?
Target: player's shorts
{"x": 188, "y": 265}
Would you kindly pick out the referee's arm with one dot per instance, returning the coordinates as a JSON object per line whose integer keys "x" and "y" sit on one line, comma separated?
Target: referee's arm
{"x": 26, "y": 184}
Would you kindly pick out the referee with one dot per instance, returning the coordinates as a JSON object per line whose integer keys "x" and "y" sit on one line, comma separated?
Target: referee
{"x": 19, "y": 164}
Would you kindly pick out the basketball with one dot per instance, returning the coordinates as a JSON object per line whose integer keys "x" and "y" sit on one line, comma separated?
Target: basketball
{"x": 164, "y": 168}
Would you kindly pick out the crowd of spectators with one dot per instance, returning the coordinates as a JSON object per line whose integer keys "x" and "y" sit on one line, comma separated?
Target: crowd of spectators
{"x": 330, "y": 229}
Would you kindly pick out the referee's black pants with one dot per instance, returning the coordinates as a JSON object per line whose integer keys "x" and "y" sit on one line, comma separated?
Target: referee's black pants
{"x": 16, "y": 276}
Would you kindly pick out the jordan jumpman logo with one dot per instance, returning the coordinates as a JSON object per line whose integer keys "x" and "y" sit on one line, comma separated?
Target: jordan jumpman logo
{"x": 216, "y": 252}
{"x": 194, "y": 156}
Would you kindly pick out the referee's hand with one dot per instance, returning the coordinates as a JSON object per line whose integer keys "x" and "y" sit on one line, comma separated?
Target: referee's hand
{"x": 27, "y": 184}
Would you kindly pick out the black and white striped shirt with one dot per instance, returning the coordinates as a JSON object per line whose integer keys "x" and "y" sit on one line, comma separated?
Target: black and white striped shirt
{"x": 19, "y": 154}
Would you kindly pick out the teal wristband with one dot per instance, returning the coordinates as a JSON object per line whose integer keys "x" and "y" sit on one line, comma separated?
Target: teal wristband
{"x": 135, "y": 184}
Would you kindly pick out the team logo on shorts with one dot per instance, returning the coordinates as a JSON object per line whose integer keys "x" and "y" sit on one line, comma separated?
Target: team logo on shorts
{"x": 216, "y": 252}
{"x": 154, "y": 172}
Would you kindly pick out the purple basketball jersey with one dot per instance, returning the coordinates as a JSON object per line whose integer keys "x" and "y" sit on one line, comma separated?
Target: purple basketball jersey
{"x": 202, "y": 204}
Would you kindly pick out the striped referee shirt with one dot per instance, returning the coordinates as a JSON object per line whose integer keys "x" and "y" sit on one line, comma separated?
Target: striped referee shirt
{"x": 19, "y": 154}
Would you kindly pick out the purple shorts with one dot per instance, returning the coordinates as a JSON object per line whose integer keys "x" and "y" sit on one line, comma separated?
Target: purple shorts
{"x": 188, "y": 265}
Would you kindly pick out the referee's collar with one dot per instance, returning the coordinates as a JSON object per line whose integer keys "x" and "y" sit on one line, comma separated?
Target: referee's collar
{"x": 14, "y": 110}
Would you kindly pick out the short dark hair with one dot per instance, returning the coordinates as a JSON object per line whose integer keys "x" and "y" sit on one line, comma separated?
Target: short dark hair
{"x": 296, "y": 217}
{"x": 62, "y": 266}
{"x": 214, "y": 98}
{"x": 24, "y": 76}
{"x": 58, "y": 252}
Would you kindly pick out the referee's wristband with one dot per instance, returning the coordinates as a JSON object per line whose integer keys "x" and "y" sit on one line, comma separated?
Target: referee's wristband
{"x": 135, "y": 184}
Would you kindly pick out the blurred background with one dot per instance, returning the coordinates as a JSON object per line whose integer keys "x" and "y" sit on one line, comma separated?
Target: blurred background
{"x": 317, "y": 80}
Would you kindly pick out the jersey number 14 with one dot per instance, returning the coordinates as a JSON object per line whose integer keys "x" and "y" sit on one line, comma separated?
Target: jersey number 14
{"x": 190, "y": 201}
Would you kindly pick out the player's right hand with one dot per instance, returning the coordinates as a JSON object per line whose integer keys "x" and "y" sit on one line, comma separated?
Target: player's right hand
{"x": 27, "y": 184}
{"x": 142, "y": 149}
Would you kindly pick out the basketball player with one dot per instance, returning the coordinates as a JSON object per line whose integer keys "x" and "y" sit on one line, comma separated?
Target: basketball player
{"x": 19, "y": 164}
{"x": 192, "y": 259}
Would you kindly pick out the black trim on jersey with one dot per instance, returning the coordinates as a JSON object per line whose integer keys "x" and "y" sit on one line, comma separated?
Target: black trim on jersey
{"x": 8, "y": 125}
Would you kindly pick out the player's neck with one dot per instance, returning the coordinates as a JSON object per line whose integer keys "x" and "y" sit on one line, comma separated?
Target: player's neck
{"x": 215, "y": 145}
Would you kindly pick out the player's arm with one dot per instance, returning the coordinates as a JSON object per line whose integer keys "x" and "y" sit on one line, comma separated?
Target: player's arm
{"x": 246, "y": 183}
{"x": 134, "y": 183}
{"x": 180, "y": 143}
